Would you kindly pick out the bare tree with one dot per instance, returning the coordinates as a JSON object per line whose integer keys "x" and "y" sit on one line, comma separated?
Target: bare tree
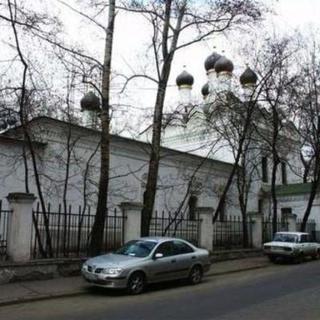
{"x": 170, "y": 21}
{"x": 305, "y": 101}
{"x": 98, "y": 226}
{"x": 275, "y": 60}
{"x": 12, "y": 7}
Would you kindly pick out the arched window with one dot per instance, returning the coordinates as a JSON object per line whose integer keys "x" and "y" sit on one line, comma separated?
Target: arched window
{"x": 192, "y": 204}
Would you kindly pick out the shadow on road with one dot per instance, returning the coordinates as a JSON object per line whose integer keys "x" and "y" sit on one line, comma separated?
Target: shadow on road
{"x": 170, "y": 285}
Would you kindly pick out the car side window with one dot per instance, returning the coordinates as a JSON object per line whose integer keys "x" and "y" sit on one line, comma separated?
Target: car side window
{"x": 303, "y": 238}
{"x": 166, "y": 249}
{"x": 181, "y": 247}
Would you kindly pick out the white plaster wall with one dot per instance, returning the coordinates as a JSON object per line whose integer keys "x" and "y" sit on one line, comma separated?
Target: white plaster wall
{"x": 128, "y": 168}
{"x": 299, "y": 204}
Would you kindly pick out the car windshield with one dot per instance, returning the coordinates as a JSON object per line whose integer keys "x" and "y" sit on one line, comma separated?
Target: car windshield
{"x": 137, "y": 248}
{"x": 284, "y": 237}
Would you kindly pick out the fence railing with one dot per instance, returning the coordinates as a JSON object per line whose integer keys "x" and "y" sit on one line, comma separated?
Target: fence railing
{"x": 229, "y": 233}
{"x": 4, "y": 219}
{"x": 70, "y": 231}
{"x": 174, "y": 224}
{"x": 267, "y": 233}
{"x": 311, "y": 227}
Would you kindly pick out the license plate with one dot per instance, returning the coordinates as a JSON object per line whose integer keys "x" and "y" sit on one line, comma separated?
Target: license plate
{"x": 91, "y": 276}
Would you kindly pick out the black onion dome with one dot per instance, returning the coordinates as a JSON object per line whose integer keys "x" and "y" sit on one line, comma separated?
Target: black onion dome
{"x": 223, "y": 65}
{"x": 248, "y": 77}
{"x": 205, "y": 89}
{"x": 3, "y": 125}
{"x": 90, "y": 102}
{"x": 184, "y": 78}
{"x": 211, "y": 61}
{"x": 12, "y": 120}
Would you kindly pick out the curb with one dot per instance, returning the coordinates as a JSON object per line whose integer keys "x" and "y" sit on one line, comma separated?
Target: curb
{"x": 237, "y": 271}
{"x": 41, "y": 297}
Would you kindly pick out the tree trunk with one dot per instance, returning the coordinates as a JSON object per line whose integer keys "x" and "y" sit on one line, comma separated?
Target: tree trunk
{"x": 313, "y": 192}
{"x": 274, "y": 198}
{"x": 151, "y": 186}
{"x": 98, "y": 226}
{"x": 306, "y": 215}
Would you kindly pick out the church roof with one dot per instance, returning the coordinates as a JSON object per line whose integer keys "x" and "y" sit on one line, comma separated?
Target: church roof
{"x": 167, "y": 151}
{"x": 293, "y": 189}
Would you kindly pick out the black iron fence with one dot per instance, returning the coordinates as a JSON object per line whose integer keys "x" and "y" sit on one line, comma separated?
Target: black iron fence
{"x": 267, "y": 233}
{"x": 4, "y": 219}
{"x": 311, "y": 227}
{"x": 232, "y": 233}
{"x": 173, "y": 224}
{"x": 316, "y": 236}
{"x": 69, "y": 232}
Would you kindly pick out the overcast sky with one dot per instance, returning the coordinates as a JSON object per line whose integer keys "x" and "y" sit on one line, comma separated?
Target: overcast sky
{"x": 131, "y": 33}
{"x": 132, "y": 37}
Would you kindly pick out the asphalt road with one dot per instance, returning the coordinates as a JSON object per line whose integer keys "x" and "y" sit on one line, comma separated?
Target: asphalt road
{"x": 277, "y": 292}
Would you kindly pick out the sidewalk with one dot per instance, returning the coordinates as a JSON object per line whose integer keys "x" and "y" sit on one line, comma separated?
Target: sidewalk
{"x": 28, "y": 291}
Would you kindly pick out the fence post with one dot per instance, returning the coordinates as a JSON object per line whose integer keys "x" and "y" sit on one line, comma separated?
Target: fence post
{"x": 20, "y": 226}
{"x": 256, "y": 226}
{"x": 206, "y": 229}
{"x": 132, "y": 222}
{"x": 292, "y": 221}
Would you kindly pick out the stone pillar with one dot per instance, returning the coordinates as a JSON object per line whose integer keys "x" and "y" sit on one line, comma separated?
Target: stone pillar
{"x": 292, "y": 221}
{"x": 20, "y": 226}
{"x": 256, "y": 226}
{"x": 132, "y": 222}
{"x": 206, "y": 228}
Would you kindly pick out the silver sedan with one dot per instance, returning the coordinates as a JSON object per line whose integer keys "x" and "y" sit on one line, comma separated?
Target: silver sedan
{"x": 147, "y": 260}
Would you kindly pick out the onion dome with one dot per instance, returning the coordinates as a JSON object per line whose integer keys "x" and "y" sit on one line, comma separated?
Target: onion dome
{"x": 3, "y": 125}
{"x": 184, "y": 79}
{"x": 248, "y": 77}
{"x": 206, "y": 108}
{"x": 211, "y": 61}
{"x": 223, "y": 65}
{"x": 205, "y": 89}
{"x": 12, "y": 121}
{"x": 90, "y": 102}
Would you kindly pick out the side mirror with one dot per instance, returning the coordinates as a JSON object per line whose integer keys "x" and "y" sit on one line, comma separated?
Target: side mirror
{"x": 158, "y": 255}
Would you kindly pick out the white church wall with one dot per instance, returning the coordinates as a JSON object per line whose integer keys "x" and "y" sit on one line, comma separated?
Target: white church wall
{"x": 298, "y": 205}
{"x": 12, "y": 170}
{"x": 128, "y": 168}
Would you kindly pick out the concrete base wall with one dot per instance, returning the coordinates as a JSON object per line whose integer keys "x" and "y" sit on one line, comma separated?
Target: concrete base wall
{"x": 234, "y": 254}
{"x": 39, "y": 270}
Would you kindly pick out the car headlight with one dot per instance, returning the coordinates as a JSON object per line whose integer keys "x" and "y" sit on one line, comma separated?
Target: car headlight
{"x": 112, "y": 271}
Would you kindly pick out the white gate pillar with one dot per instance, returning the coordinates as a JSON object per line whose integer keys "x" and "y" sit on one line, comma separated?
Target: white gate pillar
{"x": 132, "y": 222}
{"x": 292, "y": 221}
{"x": 20, "y": 226}
{"x": 256, "y": 226}
{"x": 206, "y": 228}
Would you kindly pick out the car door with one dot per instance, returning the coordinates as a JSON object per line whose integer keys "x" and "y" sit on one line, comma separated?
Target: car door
{"x": 305, "y": 245}
{"x": 185, "y": 258}
{"x": 164, "y": 268}
{"x": 311, "y": 245}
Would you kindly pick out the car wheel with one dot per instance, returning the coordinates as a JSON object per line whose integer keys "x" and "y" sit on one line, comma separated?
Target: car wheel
{"x": 195, "y": 275}
{"x": 136, "y": 283}
{"x": 298, "y": 259}
{"x": 317, "y": 255}
{"x": 272, "y": 258}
